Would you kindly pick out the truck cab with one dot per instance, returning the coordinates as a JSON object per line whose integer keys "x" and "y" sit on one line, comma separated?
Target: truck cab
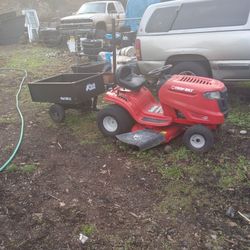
{"x": 94, "y": 16}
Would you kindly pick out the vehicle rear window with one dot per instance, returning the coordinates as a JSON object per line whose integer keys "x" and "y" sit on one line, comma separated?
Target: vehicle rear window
{"x": 213, "y": 13}
{"x": 161, "y": 20}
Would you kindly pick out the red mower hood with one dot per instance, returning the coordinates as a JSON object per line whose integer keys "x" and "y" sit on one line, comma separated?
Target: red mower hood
{"x": 194, "y": 84}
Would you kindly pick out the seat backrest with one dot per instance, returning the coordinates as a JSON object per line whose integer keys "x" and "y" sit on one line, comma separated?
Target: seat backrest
{"x": 129, "y": 80}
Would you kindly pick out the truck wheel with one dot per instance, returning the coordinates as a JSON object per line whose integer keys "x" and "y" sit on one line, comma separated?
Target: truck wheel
{"x": 101, "y": 31}
{"x": 190, "y": 68}
{"x": 100, "y": 34}
{"x": 92, "y": 44}
{"x": 57, "y": 113}
{"x": 92, "y": 51}
{"x": 114, "y": 120}
{"x": 198, "y": 138}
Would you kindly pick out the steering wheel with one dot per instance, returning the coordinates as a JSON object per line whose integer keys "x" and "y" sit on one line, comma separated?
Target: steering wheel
{"x": 159, "y": 70}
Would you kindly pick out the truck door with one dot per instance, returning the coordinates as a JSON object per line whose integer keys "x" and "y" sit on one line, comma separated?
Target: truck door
{"x": 113, "y": 13}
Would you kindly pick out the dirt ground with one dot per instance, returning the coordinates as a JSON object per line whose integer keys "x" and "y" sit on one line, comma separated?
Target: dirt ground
{"x": 67, "y": 179}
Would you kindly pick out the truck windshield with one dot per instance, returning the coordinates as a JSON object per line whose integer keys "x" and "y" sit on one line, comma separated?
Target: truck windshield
{"x": 92, "y": 8}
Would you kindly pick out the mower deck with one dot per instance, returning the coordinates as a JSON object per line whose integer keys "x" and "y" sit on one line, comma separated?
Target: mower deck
{"x": 142, "y": 139}
{"x": 146, "y": 138}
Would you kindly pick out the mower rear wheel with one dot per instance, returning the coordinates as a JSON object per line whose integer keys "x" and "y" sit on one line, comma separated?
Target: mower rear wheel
{"x": 198, "y": 138}
{"x": 57, "y": 113}
{"x": 114, "y": 120}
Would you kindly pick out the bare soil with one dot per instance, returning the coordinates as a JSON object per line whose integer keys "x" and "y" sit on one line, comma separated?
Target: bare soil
{"x": 122, "y": 199}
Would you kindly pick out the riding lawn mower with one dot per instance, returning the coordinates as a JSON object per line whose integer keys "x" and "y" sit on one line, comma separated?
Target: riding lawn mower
{"x": 185, "y": 104}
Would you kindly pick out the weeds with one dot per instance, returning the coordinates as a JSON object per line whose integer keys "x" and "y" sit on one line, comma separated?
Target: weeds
{"x": 88, "y": 229}
{"x": 107, "y": 147}
{"x": 83, "y": 126}
{"x": 12, "y": 168}
{"x": 31, "y": 58}
{"x": 179, "y": 198}
{"x": 234, "y": 174}
{"x": 171, "y": 172}
{"x": 239, "y": 114}
{"x": 7, "y": 119}
{"x": 182, "y": 153}
{"x": 28, "y": 169}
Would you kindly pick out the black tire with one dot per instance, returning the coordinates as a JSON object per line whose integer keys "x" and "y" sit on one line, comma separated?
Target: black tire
{"x": 91, "y": 44}
{"x": 57, "y": 113}
{"x": 92, "y": 51}
{"x": 101, "y": 31}
{"x": 123, "y": 119}
{"x": 194, "y": 68}
{"x": 198, "y": 138}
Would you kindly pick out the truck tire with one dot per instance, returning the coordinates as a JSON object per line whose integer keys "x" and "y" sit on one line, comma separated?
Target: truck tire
{"x": 114, "y": 120}
{"x": 190, "y": 68}
{"x": 101, "y": 30}
{"x": 91, "y": 44}
{"x": 92, "y": 51}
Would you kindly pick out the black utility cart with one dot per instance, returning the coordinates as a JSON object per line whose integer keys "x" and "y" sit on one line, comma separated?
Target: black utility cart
{"x": 68, "y": 91}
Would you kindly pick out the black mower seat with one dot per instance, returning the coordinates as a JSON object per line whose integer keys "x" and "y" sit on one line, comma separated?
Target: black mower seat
{"x": 127, "y": 79}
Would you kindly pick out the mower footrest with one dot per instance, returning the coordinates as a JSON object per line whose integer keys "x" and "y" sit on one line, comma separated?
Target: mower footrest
{"x": 159, "y": 121}
{"x": 142, "y": 139}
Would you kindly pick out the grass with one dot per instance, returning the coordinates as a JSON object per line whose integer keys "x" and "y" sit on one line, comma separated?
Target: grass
{"x": 107, "y": 146}
{"x": 179, "y": 197}
{"x": 180, "y": 154}
{"x": 171, "y": 172}
{"x": 83, "y": 126}
{"x": 239, "y": 114}
{"x": 7, "y": 119}
{"x": 31, "y": 58}
{"x": 12, "y": 168}
{"x": 234, "y": 174}
{"x": 28, "y": 169}
{"x": 239, "y": 118}
{"x": 88, "y": 229}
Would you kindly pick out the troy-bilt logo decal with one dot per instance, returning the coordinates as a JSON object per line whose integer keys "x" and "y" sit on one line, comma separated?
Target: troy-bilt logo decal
{"x": 182, "y": 89}
{"x": 90, "y": 87}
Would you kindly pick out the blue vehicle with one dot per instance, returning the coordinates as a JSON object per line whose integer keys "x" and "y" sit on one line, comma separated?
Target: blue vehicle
{"x": 136, "y": 9}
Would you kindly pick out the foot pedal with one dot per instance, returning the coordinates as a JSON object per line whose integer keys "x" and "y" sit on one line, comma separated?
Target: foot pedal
{"x": 142, "y": 139}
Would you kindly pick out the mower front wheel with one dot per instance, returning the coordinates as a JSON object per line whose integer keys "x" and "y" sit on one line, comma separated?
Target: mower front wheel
{"x": 57, "y": 113}
{"x": 114, "y": 120}
{"x": 198, "y": 138}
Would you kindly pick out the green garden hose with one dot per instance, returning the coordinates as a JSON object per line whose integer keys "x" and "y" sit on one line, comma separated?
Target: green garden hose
{"x": 6, "y": 164}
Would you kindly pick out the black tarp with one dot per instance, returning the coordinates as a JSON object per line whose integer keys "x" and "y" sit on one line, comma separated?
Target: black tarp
{"x": 11, "y": 28}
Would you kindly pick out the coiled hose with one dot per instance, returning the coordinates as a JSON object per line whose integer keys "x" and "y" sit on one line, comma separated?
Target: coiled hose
{"x": 6, "y": 164}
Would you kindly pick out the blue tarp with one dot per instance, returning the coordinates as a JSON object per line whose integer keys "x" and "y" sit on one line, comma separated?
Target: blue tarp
{"x": 136, "y": 9}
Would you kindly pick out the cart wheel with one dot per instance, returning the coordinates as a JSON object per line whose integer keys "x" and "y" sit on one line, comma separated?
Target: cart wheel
{"x": 198, "y": 138}
{"x": 114, "y": 120}
{"x": 57, "y": 113}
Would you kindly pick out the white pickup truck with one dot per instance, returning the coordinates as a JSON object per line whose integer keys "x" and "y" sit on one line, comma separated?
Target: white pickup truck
{"x": 208, "y": 38}
{"x": 94, "y": 16}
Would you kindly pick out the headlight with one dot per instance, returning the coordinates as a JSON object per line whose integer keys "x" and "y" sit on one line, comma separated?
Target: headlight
{"x": 213, "y": 95}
